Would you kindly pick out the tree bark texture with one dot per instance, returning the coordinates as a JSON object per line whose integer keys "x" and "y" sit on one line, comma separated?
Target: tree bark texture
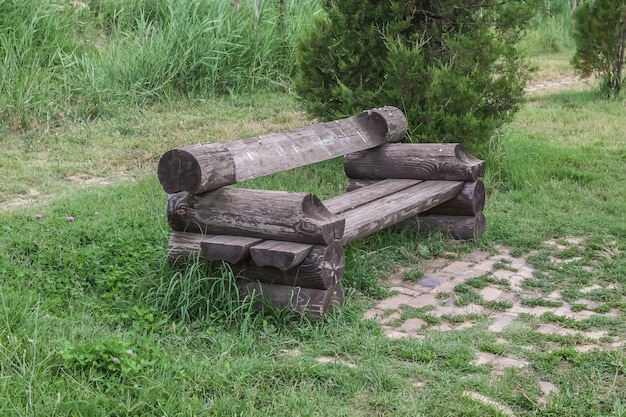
{"x": 313, "y": 303}
{"x": 273, "y": 215}
{"x": 208, "y": 166}
{"x": 422, "y": 161}
{"x": 457, "y": 227}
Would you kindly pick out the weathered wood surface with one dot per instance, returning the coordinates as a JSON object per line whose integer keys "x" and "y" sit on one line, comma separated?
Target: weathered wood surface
{"x": 227, "y": 248}
{"x": 183, "y": 247}
{"x": 313, "y": 303}
{"x": 457, "y": 227}
{"x": 322, "y": 268}
{"x": 386, "y": 211}
{"x": 273, "y": 215}
{"x": 468, "y": 202}
{"x": 422, "y": 161}
{"x": 208, "y": 166}
{"x": 280, "y": 254}
{"x": 374, "y": 189}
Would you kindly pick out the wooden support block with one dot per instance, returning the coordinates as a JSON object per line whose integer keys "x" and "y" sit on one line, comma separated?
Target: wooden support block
{"x": 280, "y": 254}
{"x": 208, "y": 166}
{"x": 420, "y": 161}
{"x": 311, "y": 302}
{"x": 183, "y": 247}
{"x": 467, "y": 202}
{"x": 227, "y": 248}
{"x": 271, "y": 215}
{"x": 386, "y": 211}
{"x": 457, "y": 227}
{"x": 321, "y": 269}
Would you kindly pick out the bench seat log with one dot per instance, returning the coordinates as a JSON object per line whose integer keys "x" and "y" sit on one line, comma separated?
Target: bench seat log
{"x": 373, "y": 190}
{"x": 420, "y": 161}
{"x": 275, "y": 215}
{"x": 389, "y": 210}
{"x": 313, "y": 303}
{"x": 208, "y": 166}
{"x": 457, "y": 227}
{"x": 468, "y": 202}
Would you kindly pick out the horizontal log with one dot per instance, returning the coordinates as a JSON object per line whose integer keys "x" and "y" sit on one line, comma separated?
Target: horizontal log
{"x": 386, "y": 211}
{"x": 457, "y": 227}
{"x": 422, "y": 161}
{"x": 208, "y": 166}
{"x": 280, "y": 254}
{"x": 321, "y": 269}
{"x": 273, "y": 215}
{"x": 467, "y": 202}
{"x": 312, "y": 303}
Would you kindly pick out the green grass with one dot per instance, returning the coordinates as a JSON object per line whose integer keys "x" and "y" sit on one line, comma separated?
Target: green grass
{"x": 94, "y": 322}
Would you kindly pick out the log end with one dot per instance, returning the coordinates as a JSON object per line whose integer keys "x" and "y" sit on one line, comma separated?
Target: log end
{"x": 395, "y": 122}
{"x": 178, "y": 170}
{"x": 475, "y": 166}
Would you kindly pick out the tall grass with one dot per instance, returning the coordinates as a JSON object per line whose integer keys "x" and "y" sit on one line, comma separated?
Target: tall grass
{"x": 551, "y": 29}
{"x": 76, "y": 60}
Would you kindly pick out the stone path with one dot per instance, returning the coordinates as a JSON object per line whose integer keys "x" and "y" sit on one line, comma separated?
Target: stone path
{"x": 442, "y": 301}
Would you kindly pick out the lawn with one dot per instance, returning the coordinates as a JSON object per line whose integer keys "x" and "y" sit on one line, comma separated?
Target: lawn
{"x": 94, "y": 322}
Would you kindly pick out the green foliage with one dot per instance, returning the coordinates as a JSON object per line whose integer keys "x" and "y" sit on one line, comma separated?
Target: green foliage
{"x": 108, "y": 356}
{"x": 78, "y": 60}
{"x": 453, "y": 67}
{"x": 600, "y": 37}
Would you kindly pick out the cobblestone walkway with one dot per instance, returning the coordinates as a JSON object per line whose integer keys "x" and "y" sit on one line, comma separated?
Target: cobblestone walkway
{"x": 437, "y": 294}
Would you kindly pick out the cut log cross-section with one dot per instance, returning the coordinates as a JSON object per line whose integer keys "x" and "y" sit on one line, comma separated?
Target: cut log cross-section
{"x": 420, "y": 161}
{"x": 208, "y": 166}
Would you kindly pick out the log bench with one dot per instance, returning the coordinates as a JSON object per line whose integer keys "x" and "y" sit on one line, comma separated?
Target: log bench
{"x": 287, "y": 248}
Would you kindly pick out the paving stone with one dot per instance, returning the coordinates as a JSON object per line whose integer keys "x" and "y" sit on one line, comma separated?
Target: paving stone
{"x": 595, "y": 335}
{"x": 329, "y": 359}
{"x": 394, "y": 334}
{"x": 488, "y": 358}
{"x": 525, "y": 272}
{"x": 406, "y": 291}
{"x": 372, "y": 314}
{"x": 429, "y": 282}
{"x": 391, "y": 317}
{"x": 585, "y": 314}
{"x": 555, "y": 295}
{"x": 464, "y": 325}
{"x": 564, "y": 311}
{"x": 501, "y": 322}
{"x": 547, "y": 388}
{"x": 422, "y": 301}
{"x": 473, "y": 309}
{"x": 500, "y": 408}
{"x": 458, "y": 268}
{"x": 519, "y": 309}
{"x": 540, "y": 310}
{"x": 490, "y": 293}
{"x": 585, "y": 348}
{"x": 393, "y": 302}
{"x": 503, "y": 274}
{"x": 443, "y": 327}
{"x": 412, "y": 326}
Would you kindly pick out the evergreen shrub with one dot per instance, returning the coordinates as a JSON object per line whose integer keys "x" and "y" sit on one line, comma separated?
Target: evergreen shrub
{"x": 453, "y": 66}
{"x": 600, "y": 37}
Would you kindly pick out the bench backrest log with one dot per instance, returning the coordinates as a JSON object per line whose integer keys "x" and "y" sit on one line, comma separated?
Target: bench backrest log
{"x": 201, "y": 168}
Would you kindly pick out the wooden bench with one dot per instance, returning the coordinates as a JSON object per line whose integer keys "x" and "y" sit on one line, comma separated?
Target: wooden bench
{"x": 287, "y": 247}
